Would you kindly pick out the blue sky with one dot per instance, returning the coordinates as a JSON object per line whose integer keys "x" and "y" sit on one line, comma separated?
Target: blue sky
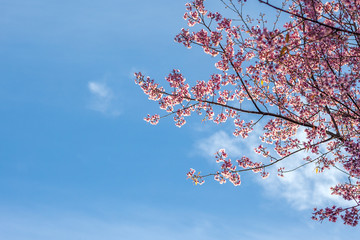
{"x": 77, "y": 161}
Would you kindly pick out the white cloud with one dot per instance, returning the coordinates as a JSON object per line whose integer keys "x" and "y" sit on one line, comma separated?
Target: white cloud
{"x": 236, "y": 147}
{"x": 303, "y": 188}
{"x": 99, "y": 89}
{"x": 207, "y": 147}
{"x": 102, "y": 98}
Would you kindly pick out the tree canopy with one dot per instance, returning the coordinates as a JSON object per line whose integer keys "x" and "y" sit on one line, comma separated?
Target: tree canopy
{"x": 299, "y": 76}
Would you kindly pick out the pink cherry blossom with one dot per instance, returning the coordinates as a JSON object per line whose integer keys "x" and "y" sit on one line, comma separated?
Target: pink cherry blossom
{"x": 300, "y": 77}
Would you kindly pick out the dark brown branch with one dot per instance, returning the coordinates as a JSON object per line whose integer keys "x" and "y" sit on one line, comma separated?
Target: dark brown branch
{"x": 333, "y": 135}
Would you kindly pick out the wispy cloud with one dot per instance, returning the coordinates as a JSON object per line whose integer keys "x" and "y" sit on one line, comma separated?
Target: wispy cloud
{"x": 139, "y": 223}
{"x": 235, "y": 147}
{"x": 208, "y": 146}
{"x": 102, "y": 98}
{"x": 303, "y": 188}
{"x": 149, "y": 224}
{"x": 100, "y": 89}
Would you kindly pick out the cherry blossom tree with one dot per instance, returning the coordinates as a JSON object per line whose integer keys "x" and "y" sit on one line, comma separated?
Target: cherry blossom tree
{"x": 301, "y": 76}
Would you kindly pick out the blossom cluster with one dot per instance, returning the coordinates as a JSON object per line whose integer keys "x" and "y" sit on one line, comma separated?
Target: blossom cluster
{"x": 228, "y": 169}
{"x": 196, "y": 178}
